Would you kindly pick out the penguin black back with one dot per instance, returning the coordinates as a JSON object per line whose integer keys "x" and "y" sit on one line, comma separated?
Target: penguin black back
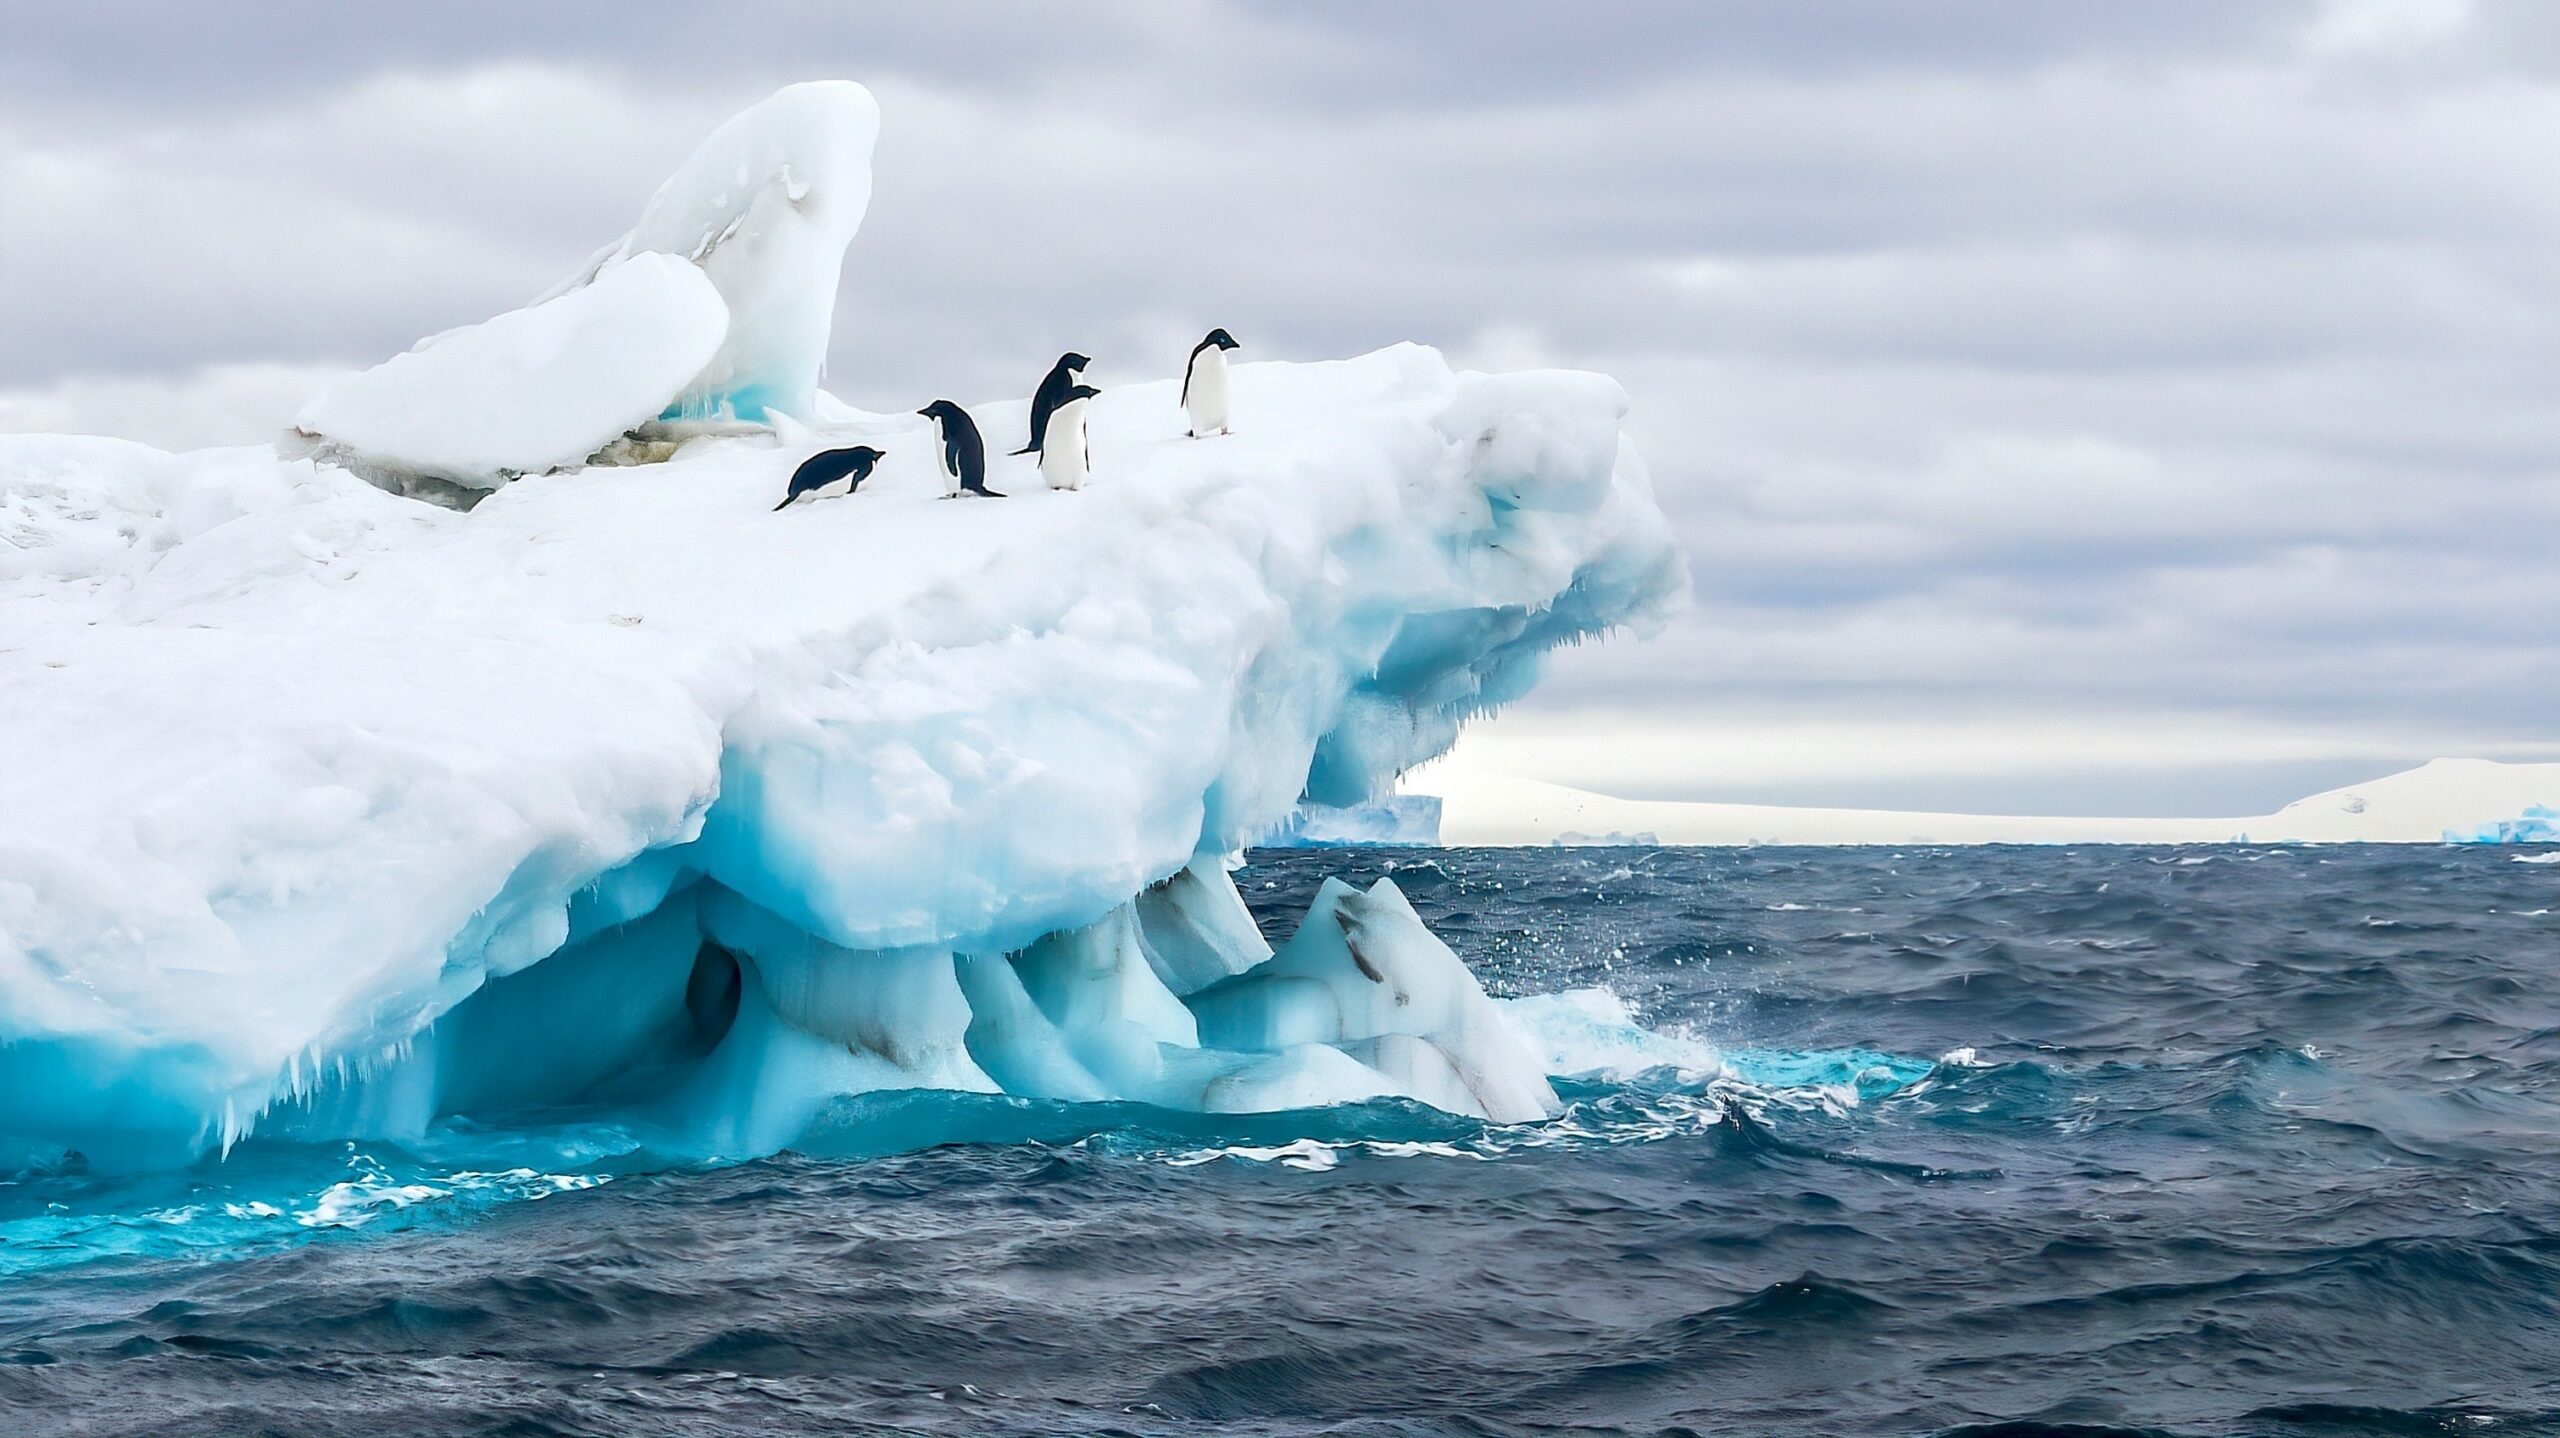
{"x": 1051, "y": 394}
{"x": 826, "y": 467}
{"x": 964, "y": 454}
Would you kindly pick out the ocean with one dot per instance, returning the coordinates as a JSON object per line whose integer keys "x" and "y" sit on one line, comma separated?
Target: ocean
{"x": 2215, "y": 1140}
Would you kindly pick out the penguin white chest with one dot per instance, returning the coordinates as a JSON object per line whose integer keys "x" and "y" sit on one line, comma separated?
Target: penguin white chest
{"x": 1064, "y": 458}
{"x": 950, "y": 470}
{"x": 1205, "y": 394}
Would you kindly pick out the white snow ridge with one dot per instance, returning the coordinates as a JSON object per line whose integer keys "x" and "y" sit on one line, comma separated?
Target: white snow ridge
{"x": 332, "y": 812}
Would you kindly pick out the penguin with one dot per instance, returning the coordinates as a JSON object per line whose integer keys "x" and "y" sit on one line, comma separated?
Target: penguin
{"x": 1066, "y": 453}
{"x": 826, "y": 467}
{"x": 1204, "y": 384}
{"x": 964, "y": 455}
{"x": 1053, "y": 389}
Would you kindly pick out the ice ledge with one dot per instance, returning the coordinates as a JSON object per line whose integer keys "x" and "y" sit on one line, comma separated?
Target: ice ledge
{"x": 320, "y": 762}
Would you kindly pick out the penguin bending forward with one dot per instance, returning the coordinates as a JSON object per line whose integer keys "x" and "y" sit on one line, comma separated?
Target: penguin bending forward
{"x": 1066, "y": 454}
{"x": 828, "y": 466}
{"x": 1061, "y": 377}
{"x": 964, "y": 455}
{"x": 1204, "y": 384}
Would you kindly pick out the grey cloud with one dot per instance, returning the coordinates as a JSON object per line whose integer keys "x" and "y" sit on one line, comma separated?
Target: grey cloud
{"x": 2076, "y": 359}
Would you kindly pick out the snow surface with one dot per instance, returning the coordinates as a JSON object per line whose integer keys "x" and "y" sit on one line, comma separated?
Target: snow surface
{"x": 716, "y": 306}
{"x": 333, "y": 811}
{"x": 2446, "y": 799}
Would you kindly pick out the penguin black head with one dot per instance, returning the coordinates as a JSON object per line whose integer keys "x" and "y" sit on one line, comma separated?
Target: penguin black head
{"x": 1082, "y": 391}
{"x": 940, "y": 411}
{"x": 1221, "y": 339}
{"x": 862, "y": 457}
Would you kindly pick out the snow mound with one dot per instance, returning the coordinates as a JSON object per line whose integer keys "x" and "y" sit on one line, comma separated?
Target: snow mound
{"x": 535, "y": 389}
{"x": 352, "y": 812}
{"x": 717, "y": 306}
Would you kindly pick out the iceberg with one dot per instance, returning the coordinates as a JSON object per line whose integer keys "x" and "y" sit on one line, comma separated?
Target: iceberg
{"x": 332, "y": 813}
{"x": 2538, "y": 824}
{"x": 1398, "y": 819}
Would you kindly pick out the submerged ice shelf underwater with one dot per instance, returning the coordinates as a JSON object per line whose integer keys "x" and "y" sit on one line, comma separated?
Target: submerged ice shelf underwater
{"x": 619, "y": 790}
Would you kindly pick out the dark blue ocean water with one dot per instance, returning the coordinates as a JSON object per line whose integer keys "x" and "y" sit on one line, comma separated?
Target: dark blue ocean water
{"x": 2194, "y": 1141}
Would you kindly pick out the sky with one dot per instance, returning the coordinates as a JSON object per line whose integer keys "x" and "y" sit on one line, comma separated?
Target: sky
{"x": 2065, "y": 408}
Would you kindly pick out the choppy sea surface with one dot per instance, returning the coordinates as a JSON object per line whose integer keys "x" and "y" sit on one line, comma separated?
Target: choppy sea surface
{"x": 2217, "y": 1140}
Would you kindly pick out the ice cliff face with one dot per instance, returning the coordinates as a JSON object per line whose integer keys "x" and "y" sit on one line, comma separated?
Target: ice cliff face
{"x": 330, "y": 812}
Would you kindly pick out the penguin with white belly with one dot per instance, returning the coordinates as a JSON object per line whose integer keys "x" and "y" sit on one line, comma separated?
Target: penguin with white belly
{"x": 1066, "y": 454}
{"x": 1054, "y": 385}
{"x": 824, "y": 470}
{"x": 1204, "y": 384}
{"x": 964, "y": 454}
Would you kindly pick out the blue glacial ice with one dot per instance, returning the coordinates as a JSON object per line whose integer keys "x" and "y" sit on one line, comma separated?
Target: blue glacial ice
{"x": 2538, "y": 824}
{"x": 1409, "y": 819}
{"x": 335, "y": 814}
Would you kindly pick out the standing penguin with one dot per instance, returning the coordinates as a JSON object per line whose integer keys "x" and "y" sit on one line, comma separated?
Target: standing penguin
{"x": 1204, "y": 384}
{"x": 1066, "y": 454}
{"x": 1053, "y": 389}
{"x": 828, "y": 466}
{"x": 964, "y": 455}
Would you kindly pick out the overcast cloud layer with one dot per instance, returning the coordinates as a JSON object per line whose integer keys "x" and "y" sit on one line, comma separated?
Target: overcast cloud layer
{"x": 2100, "y": 408}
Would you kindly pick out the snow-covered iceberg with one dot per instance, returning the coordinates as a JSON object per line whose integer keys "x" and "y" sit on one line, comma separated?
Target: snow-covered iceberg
{"x": 329, "y": 811}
